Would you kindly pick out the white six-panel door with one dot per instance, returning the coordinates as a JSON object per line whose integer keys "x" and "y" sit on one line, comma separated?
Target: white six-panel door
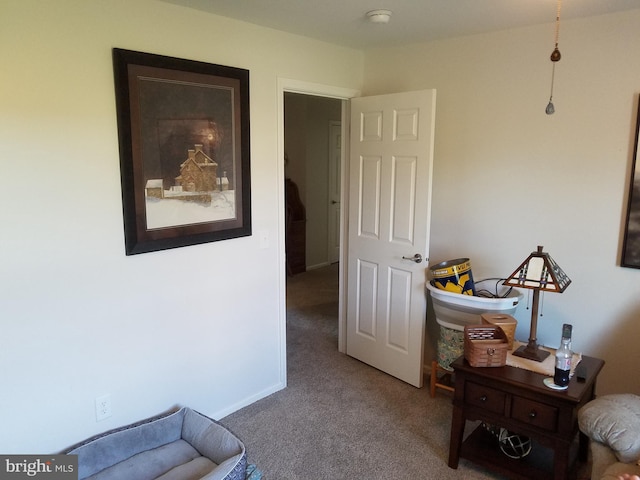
{"x": 389, "y": 217}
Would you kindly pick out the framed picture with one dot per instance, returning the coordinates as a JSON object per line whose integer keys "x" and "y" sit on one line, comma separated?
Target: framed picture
{"x": 631, "y": 245}
{"x": 183, "y": 130}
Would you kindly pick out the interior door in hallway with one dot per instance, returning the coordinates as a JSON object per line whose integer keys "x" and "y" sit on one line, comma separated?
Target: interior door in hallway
{"x": 389, "y": 217}
{"x": 333, "y": 216}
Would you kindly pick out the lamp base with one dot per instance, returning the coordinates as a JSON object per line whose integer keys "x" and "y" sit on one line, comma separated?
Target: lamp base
{"x": 531, "y": 352}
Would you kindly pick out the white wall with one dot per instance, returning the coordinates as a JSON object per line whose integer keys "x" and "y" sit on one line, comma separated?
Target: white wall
{"x": 201, "y": 326}
{"x": 507, "y": 177}
{"x": 295, "y": 144}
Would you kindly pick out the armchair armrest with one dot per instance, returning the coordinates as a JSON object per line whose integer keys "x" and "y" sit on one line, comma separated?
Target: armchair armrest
{"x": 614, "y": 420}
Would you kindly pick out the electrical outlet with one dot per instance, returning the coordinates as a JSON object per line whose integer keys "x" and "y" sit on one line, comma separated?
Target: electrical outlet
{"x": 103, "y": 407}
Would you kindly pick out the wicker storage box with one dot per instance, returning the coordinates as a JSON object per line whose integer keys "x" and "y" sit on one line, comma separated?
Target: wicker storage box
{"x": 506, "y": 322}
{"x": 485, "y": 346}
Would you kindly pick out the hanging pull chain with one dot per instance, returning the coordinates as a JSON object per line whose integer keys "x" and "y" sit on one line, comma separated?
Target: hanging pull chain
{"x": 555, "y": 57}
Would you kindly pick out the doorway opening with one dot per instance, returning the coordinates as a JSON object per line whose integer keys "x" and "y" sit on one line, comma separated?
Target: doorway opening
{"x": 312, "y": 149}
{"x": 391, "y": 338}
{"x": 312, "y": 159}
{"x": 343, "y": 95}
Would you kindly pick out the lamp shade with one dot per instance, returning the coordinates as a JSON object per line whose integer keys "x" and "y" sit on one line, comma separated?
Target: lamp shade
{"x": 539, "y": 271}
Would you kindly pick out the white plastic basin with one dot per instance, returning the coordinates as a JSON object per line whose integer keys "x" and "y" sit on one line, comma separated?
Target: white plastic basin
{"x": 454, "y": 310}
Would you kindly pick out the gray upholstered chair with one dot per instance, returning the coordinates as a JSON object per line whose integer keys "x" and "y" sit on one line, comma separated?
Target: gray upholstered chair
{"x": 612, "y": 423}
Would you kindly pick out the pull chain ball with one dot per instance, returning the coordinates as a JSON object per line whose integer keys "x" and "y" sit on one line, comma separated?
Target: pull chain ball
{"x": 550, "y": 110}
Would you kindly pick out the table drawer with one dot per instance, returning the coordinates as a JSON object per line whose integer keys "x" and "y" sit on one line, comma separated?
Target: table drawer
{"x": 487, "y": 398}
{"x": 534, "y": 413}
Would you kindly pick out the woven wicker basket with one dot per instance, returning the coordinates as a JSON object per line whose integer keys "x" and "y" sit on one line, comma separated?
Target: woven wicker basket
{"x": 505, "y": 322}
{"x": 485, "y": 346}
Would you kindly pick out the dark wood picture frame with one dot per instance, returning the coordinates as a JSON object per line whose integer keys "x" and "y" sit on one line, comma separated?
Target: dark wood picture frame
{"x": 183, "y": 131}
{"x": 631, "y": 244}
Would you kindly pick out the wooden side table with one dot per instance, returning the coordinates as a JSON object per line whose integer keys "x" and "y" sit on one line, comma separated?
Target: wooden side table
{"x": 516, "y": 399}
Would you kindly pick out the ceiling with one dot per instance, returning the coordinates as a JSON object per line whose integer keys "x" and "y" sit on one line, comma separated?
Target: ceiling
{"x": 344, "y": 22}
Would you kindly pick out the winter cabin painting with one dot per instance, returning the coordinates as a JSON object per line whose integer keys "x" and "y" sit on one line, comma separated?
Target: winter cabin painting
{"x": 183, "y": 129}
{"x": 197, "y": 195}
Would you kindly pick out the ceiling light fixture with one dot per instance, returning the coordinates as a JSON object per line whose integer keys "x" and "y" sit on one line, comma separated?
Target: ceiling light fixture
{"x": 379, "y": 16}
{"x": 555, "y": 58}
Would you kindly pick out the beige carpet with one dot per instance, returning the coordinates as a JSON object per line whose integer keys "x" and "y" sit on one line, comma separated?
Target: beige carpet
{"x": 339, "y": 418}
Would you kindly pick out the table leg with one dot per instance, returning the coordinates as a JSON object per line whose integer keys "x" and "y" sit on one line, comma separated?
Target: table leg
{"x": 561, "y": 461}
{"x": 457, "y": 430}
{"x": 583, "y": 447}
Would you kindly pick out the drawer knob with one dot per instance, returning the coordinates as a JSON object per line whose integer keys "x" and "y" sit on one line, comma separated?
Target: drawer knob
{"x": 533, "y": 414}
{"x": 483, "y": 398}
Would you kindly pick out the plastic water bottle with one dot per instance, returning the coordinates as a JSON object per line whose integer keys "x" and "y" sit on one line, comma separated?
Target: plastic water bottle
{"x": 563, "y": 358}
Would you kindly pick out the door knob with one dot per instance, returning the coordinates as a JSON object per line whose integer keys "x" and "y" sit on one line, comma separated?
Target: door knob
{"x": 416, "y": 258}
